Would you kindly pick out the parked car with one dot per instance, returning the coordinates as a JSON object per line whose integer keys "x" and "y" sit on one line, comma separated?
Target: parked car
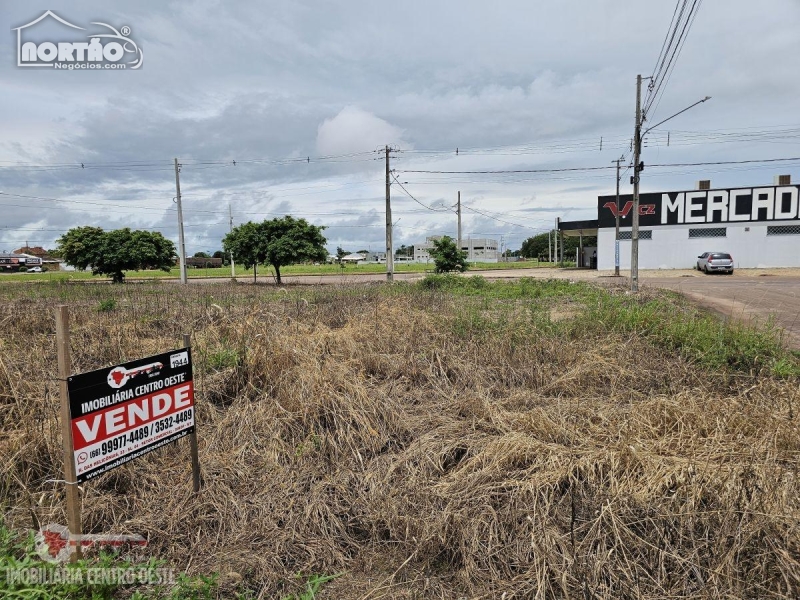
{"x": 709, "y": 262}
{"x": 35, "y": 270}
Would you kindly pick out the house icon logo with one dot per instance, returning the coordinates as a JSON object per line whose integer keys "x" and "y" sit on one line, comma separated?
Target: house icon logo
{"x": 107, "y": 49}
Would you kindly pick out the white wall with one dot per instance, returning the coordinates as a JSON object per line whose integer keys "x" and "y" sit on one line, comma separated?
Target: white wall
{"x": 671, "y": 247}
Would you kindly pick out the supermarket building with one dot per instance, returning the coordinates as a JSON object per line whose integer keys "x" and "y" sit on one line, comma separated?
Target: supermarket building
{"x": 758, "y": 226}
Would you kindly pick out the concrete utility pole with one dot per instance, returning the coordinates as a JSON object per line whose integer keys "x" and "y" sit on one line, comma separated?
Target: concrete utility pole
{"x": 616, "y": 242}
{"x": 233, "y": 267}
{"x": 458, "y": 211}
{"x": 555, "y": 241}
{"x": 637, "y": 149}
{"x": 181, "y": 243}
{"x": 389, "y": 256}
{"x": 549, "y": 247}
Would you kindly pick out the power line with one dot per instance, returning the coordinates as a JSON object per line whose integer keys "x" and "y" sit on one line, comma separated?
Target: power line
{"x": 410, "y": 195}
{"x": 671, "y": 50}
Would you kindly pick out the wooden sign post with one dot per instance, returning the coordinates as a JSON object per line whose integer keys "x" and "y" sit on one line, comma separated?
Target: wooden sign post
{"x": 187, "y": 343}
{"x": 71, "y": 483}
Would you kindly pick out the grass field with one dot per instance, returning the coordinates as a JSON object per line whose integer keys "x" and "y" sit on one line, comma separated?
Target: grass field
{"x": 445, "y": 439}
{"x": 262, "y": 271}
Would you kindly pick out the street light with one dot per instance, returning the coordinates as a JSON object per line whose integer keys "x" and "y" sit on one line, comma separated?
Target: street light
{"x": 638, "y": 166}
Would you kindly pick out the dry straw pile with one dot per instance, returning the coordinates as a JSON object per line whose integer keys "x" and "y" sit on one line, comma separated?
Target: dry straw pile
{"x": 427, "y": 444}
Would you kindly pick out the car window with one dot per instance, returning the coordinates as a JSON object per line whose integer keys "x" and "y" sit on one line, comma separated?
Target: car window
{"x": 722, "y": 256}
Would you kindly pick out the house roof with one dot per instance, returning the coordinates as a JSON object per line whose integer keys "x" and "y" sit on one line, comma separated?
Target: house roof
{"x": 48, "y": 13}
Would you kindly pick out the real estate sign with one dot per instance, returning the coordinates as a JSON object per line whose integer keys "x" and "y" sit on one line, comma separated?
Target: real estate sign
{"x": 120, "y": 413}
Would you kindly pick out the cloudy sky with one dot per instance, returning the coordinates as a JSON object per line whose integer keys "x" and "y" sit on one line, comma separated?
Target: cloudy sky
{"x": 304, "y": 95}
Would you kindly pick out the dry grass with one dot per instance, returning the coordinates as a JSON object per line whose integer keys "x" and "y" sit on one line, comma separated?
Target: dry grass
{"x": 374, "y": 433}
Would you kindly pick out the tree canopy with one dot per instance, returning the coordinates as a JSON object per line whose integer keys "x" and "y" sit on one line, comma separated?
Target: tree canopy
{"x": 536, "y": 246}
{"x": 276, "y": 242}
{"x": 116, "y": 251}
{"x": 447, "y": 256}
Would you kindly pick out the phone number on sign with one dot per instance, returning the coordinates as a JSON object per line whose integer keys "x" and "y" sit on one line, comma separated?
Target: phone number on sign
{"x": 145, "y": 432}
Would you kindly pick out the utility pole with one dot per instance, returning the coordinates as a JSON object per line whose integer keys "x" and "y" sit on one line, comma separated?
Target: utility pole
{"x": 637, "y": 149}
{"x": 549, "y": 247}
{"x": 555, "y": 242}
{"x": 458, "y": 211}
{"x": 181, "y": 243}
{"x": 389, "y": 256}
{"x": 233, "y": 267}
{"x": 616, "y": 239}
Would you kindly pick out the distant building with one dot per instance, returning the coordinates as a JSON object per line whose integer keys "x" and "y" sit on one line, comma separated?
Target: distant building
{"x": 478, "y": 250}
{"x": 54, "y": 264}
{"x": 200, "y": 262}
{"x": 15, "y": 261}
{"x": 354, "y": 259}
{"x": 375, "y": 258}
{"x": 759, "y": 225}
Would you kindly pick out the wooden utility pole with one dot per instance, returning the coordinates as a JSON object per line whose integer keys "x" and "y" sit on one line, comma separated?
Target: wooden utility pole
{"x": 458, "y": 211}
{"x": 187, "y": 343}
{"x": 616, "y": 238}
{"x": 181, "y": 244}
{"x": 637, "y": 149}
{"x": 70, "y": 477}
{"x": 389, "y": 256}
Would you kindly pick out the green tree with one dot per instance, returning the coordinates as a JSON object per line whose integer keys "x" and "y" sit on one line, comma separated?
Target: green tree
{"x": 114, "y": 252}
{"x": 404, "y": 251}
{"x": 247, "y": 245}
{"x": 535, "y": 246}
{"x": 277, "y": 242}
{"x": 80, "y": 246}
{"x": 340, "y": 254}
{"x": 201, "y": 255}
{"x": 447, "y": 256}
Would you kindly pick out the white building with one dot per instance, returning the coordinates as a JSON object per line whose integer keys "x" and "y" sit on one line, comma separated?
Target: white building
{"x": 759, "y": 226}
{"x": 482, "y": 250}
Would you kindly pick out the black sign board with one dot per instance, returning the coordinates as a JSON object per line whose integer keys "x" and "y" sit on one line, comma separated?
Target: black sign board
{"x": 120, "y": 413}
{"x": 768, "y": 203}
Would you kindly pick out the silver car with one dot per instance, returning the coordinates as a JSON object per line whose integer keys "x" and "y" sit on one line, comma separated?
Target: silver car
{"x": 710, "y": 262}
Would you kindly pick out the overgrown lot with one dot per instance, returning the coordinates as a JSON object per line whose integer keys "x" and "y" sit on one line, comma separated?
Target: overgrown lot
{"x": 453, "y": 438}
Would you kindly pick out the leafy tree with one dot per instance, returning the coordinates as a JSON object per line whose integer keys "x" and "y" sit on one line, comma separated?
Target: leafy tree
{"x": 447, "y": 256}
{"x": 218, "y": 254}
{"x": 537, "y": 245}
{"x": 291, "y": 241}
{"x": 277, "y": 242}
{"x": 80, "y": 246}
{"x": 201, "y": 255}
{"x": 114, "y": 252}
{"x": 404, "y": 251}
{"x": 340, "y": 254}
{"x": 247, "y": 245}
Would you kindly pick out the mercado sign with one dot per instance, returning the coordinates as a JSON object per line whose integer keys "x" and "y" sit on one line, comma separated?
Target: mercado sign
{"x": 766, "y": 203}
{"x": 122, "y": 412}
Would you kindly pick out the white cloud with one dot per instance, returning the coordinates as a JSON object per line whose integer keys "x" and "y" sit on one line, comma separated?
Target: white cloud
{"x": 354, "y": 130}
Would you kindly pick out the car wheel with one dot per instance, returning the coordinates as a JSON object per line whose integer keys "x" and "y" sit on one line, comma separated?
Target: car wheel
{"x": 705, "y": 269}
{"x": 730, "y": 272}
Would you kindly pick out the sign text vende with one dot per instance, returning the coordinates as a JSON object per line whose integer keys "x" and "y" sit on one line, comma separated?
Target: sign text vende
{"x": 120, "y": 413}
